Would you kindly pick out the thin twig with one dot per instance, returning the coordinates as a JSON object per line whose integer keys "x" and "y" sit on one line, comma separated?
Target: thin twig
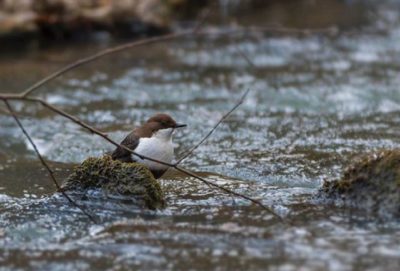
{"x": 189, "y": 152}
{"x": 44, "y": 163}
{"x": 245, "y": 57}
{"x": 119, "y": 48}
{"x": 85, "y": 60}
{"x": 229, "y": 191}
{"x": 196, "y": 31}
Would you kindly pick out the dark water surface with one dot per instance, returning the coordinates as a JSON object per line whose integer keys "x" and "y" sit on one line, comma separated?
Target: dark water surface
{"x": 316, "y": 102}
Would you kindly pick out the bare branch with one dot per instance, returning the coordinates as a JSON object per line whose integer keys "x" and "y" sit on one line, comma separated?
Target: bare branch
{"x": 189, "y": 152}
{"x": 175, "y": 166}
{"x": 122, "y": 47}
{"x": 45, "y": 165}
{"x": 85, "y": 60}
{"x": 167, "y": 37}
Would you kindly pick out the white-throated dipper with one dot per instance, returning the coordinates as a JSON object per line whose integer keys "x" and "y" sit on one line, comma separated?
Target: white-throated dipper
{"x": 154, "y": 140}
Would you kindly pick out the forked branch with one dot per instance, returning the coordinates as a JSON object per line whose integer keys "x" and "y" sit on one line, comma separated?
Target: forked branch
{"x": 175, "y": 166}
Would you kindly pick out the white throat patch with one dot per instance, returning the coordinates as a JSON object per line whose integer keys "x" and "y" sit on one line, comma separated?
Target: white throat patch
{"x": 164, "y": 134}
{"x": 159, "y": 147}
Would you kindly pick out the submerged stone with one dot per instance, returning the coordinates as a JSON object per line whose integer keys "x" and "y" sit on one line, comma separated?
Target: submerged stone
{"x": 372, "y": 184}
{"x": 115, "y": 177}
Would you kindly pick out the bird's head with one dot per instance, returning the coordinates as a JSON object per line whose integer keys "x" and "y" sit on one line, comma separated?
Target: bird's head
{"x": 163, "y": 121}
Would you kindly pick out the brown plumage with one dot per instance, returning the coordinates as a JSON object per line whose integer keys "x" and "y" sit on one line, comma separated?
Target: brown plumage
{"x": 147, "y": 130}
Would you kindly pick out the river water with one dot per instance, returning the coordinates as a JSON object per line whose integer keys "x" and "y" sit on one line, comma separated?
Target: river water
{"x": 317, "y": 101}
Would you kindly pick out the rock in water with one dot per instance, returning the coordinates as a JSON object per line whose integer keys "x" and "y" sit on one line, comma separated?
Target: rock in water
{"x": 372, "y": 184}
{"x": 115, "y": 177}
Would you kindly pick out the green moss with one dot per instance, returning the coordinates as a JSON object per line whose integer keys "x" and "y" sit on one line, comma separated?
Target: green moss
{"x": 130, "y": 179}
{"x": 373, "y": 183}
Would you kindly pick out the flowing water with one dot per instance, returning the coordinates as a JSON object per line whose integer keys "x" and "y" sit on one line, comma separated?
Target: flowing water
{"x": 317, "y": 101}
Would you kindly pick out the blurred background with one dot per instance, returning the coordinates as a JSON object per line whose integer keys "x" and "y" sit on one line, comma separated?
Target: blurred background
{"x": 324, "y": 80}
{"x": 28, "y": 20}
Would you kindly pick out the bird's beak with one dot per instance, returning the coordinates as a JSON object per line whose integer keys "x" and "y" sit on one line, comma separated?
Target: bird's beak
{"x": 180, "y": 125}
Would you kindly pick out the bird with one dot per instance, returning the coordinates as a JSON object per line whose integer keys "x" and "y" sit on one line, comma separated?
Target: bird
{"x": 153, "y": 139}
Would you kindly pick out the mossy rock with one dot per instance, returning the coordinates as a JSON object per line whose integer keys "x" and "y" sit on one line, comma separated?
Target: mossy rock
{"x": 115, "y": 177}
{"x": 371, "y": 183}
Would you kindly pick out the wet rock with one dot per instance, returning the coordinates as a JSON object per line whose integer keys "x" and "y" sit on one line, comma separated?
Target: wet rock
{"x": 115, "y": 177}
{"x": 372, "y": 184}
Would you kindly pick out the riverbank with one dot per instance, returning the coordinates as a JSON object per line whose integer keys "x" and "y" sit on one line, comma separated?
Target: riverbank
{"x": 61, "y": 19}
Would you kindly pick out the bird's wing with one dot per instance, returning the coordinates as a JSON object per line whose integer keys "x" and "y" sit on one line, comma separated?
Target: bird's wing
{"x": 131, "y": 142}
